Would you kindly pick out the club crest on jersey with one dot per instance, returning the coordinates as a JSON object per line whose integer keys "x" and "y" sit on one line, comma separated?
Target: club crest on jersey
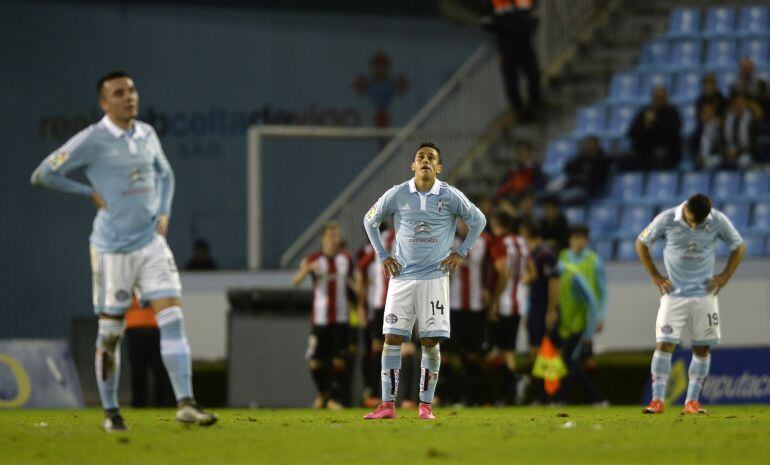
{"x": 58, "y": 159}
{"x": 422, "y": 227}
{"x": 440, "y": 204}
{"x": 391, "y": 318}
{"x": 135, "y": 177}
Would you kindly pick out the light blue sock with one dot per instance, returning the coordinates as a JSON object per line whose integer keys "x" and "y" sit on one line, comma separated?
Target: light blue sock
{"x": 429, "y": 365}
{"x": 698, "y": 371}
{"x": 661, "y": 367}
{"x": 391, "y": 369}
{"x": 175, "y": 351}
{"x": 107, "y": 361}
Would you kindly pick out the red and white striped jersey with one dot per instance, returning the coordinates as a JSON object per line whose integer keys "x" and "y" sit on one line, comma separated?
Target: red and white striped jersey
{"x": 330, "y": 286}
{"x": 467, "y": 281}
{"x": 515, "y": 298}
{"x": 376, "y": 279}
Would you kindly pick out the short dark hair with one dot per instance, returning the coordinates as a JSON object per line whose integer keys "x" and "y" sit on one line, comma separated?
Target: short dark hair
{"x": 107, "y": 77}
{"x": 533, "y": 228}
{"x": 430, "y": 145}
{"x": 503, "y": 218}
{"x": 699, "y": 206}
{"x": 579, "y": 230}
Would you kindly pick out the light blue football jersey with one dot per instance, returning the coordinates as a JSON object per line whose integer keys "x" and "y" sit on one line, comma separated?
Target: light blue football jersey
{"x": 689, "y": 253}
{"x": 128, "y": 169}
{"x": 425, "y": 226}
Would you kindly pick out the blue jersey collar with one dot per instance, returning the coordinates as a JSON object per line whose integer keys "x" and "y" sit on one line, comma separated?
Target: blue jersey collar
{"x": 435, "y": 190}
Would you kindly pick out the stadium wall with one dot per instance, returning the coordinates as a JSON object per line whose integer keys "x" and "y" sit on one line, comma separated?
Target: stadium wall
{"x": 203, "y": 73}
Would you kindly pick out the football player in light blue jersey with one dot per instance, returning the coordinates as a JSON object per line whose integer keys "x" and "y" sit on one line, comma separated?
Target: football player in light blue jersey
{"x": 131, "y": 183}
{"x": 689, "y": 293}
{"x": 425, "y": 212}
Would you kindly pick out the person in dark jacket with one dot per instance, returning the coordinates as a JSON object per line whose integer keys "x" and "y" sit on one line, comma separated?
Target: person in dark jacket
{"x": 655, "y": 135}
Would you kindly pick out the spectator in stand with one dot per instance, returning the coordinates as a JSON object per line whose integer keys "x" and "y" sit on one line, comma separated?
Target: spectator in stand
{"x": 143, "y": 344}
{"x": 524, "y": 175}
{"x": 655, "y": 135}
{"x": 585, "y": 175}
{"x": 707, "y": 143}
{"x": 740, "y": 133}
{"x": 748, "y": 83}
{"x": 514, "y": 26}
{"x": 201, "y": 258}
{"x": 710, "y": 95}
{"x": 554, "y": 225}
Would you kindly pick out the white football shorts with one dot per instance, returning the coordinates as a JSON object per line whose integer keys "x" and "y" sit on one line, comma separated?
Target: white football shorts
{"x": 425, "y": 301}
{"x": 149, "y": 271}
{"x": 698, "y": 314}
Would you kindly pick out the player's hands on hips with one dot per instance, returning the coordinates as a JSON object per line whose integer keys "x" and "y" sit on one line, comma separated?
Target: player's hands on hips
{"x": 162, "y": 227}
{"x": 451, "y": 262}
{"x": 716, "y": 283}
{"x": 99, "y": 201}
{"x": 663, "y": 284}
{"x": 391, "y": 266}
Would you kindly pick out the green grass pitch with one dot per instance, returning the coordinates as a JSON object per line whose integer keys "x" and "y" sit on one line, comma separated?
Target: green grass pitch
{"x": 527, "y": 435}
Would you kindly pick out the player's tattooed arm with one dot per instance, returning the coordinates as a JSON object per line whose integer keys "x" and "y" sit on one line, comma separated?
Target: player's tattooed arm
{"x": 663, "y": 284}
{"x": 719, "y": 281}
{"x": 391, "y": 266}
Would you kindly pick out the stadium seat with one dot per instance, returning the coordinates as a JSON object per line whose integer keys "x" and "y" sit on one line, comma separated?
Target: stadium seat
{"x": 627, "y": 186}
{"x": 757, "y": 49}
{"x": 626, "y": 250}
{"x": 651, "y": 80}
{"x": 687, "y": 87}
{"x": 603, "y": 219}
{"x": 726, "y": 185}
{"x": 693, "y": 183}
{"x": 557, "y": 153}
{"x": 721, "y": 54}
{"x": 720, "y": 22}
{"x": 624, "y": 87}
{"x": 754, "y": 21}
{"x": 605, "y": 248}
{"x": 654, "y": 55}
{"x": 756, "y": 185}
{"x": 689, "y": 118}
{"x": 684, "y": 22}
{"x": 620, "y": 119}
{"x": 662, "y": 186}
{"x": 725, "y": 79}
{"x": 738, "y": 214}
{"x": 590, "y": 120}
{"x": 755, "y": 243}
{"x": 633, "y": 219}
{"x": 761, "y": 218}
{"x": 575, "y": 215}
{"x": 685, "y": 54}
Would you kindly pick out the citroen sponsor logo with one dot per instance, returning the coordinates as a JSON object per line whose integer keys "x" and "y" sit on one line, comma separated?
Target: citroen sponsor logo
{"x": 422, "y": 227}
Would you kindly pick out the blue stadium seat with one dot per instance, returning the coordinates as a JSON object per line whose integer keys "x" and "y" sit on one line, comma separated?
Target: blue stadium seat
{"x": 590, "y": 120}
{"x": 557, "y": 154}
{"x": 624, "y": 87}
{"x": 575, "y": 215}
{"x": 684, "y": 22}
{"x": 650, "y": 80}
{"x": 605, "y": 248}
{"x": 620, "y": 119}
{"x": 761, "y": 218}
{"x": 662, "y": 186}
{"x": 627, "y": 186}
{"x": 721, "y": 54}
{"x": 755, "y": 243}
{"x": 738, "y": 214}
{"x": 693, "y": 183}
{"x": 767, "y": 247}
{"x": 726, "y": 78}
{"x": 758, "y": 49}
{"x": 687, "y": 87}
{"x": 626, "y": 250}
{"x": 603, "y": 219}
{"x": 756, "y": 185}
{"x": 754, "y": 21}
{"x": 633, "y": 219}
{"x": 726, "y": 185}
{"x": 685, "y": 54}
{"x": 720, "y": 22}
{"x": 689, "y": 118}
{"x": 654, "y": 55}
